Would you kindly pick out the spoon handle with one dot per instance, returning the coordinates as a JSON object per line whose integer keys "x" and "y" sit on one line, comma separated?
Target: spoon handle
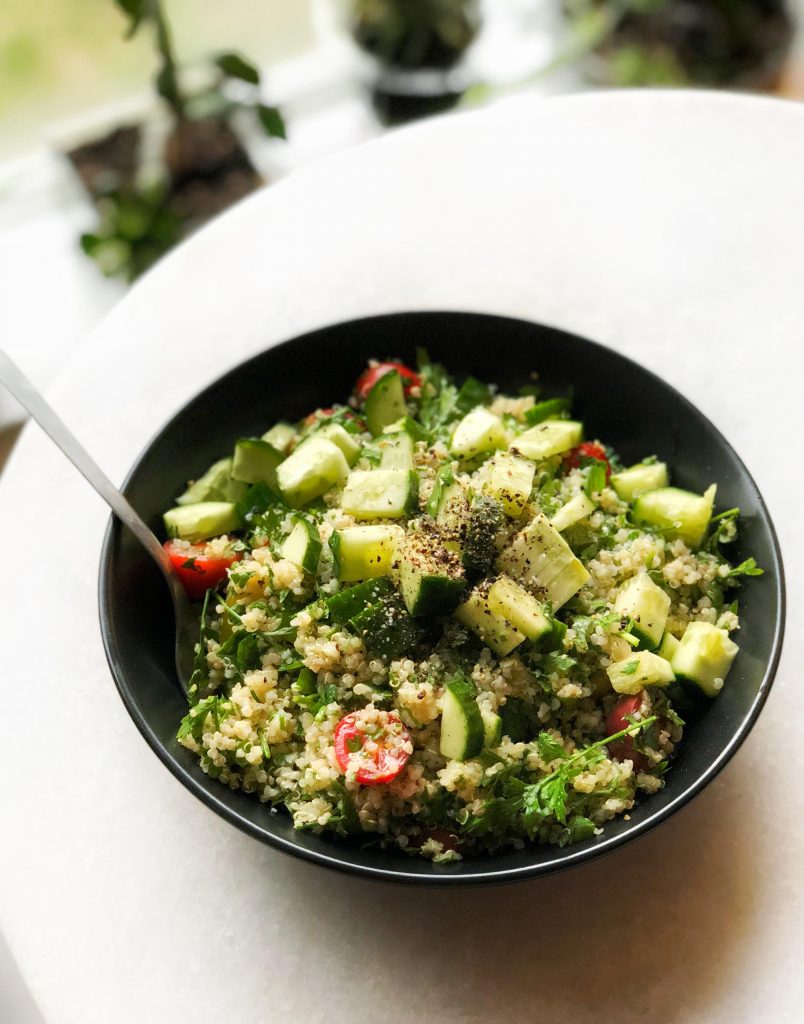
{"x": 27, "y": 395}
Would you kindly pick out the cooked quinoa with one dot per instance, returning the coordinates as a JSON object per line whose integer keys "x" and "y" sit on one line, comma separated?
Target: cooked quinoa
{"x": 437, "y": 619}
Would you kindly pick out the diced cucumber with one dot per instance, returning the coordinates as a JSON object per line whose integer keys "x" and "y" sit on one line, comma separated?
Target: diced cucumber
{"x": 647, "y": 606}
{"x": 668, "y": 647}
{"x": 385, "y": 403}
{"x": 409, "y": 426}
{"x": 552, "y": 437}
{"x": 479, "y": 431}
{"x": 638, "y": 670}
{"x": 704, "y": 656}
{"x": 510, "y": 480}
{"x": 202, "y": 520}
{"x": 255, "y": 462}
{"x": 492, "y": 727}
{"x": 630, "y": 483}
{"x": 380, "y": 493}
{"x": 452, "y": 511}
{"x": 348, "y": 603}
{"x": 303, "y": 545}
{"x": 310, "y": 470}
{"x": 431, "y": 578}
{"x": 509, "y": 601}
{"x": 341, "y": 438}
{"x": 566, "y": 584}
{"x": 677, "y": 513}
{"x": 541, "y": 559}
{"x": 214, "y": 485}
{"x": 363, "y": 552}
{"x": 573, "y": 512}
{"x": 493, "y": 629}
{"x": 462, "y": 728}
{"x": 396, "y": 451}
{"x": 280, "y": 436}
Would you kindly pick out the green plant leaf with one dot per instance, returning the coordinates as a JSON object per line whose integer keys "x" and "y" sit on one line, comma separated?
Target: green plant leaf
{"x": 235, "y": 66}
{"x": 136, "y": 11}
{"x": 271, "y": 121}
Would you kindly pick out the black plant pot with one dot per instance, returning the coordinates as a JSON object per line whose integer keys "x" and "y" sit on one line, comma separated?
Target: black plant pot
{"x": 717, "y": 43}
{"x": 417, "y": 46}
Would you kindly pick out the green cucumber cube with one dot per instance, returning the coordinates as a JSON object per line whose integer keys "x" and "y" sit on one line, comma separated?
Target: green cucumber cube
{"x": 573, "y": 512}
{"x": 677, "y": 513}
{"x": 540, "y": 559}
{"x": 396, "y": 451}
{"x": 647, "y": 606}
{"x": 493, "y": 629}
{"x": 462, "y": 728}
{"x": 479, "y": 431}
{"x": 380, "y": 493}
{"x": 255, "y": 462}
{"x": 630, "y": 483}
{"x": 313, "y": 468}
{"x": 280, "y": 436}
{"x": 431, "y": 578}
{"x": 364, "y": 552}
{"x": 552, "y": 437}
{"x": 341, "y": 438}
{"x": 509, "y": 479}
{"x": 638, "y": 670}
{"x": 704, "y": 656}
{"x": 202, "y": 520}
{"x": 511, "y": 602}
{"x": 385, "y": 403}
{"x": 303, "y": 545}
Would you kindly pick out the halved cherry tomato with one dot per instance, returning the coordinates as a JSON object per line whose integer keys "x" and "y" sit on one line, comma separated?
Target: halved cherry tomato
{"x": 197, "y": 571}
{"x": 378, "y": 749}
{"x": 368, "y": 378}
{"x": 616, "y": 720}
{"x": 588, "y": 450}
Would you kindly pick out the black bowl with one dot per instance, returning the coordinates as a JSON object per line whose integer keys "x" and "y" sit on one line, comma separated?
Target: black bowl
{"x": 620, "y": 401}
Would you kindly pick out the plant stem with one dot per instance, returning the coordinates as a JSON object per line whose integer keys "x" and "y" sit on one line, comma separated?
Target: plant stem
{"x": 168, "y": 78}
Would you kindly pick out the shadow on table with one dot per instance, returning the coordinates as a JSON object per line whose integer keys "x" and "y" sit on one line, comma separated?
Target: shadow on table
{"x": 654, "y": 927}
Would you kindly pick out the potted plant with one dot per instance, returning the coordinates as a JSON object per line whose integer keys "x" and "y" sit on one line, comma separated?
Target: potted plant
{"x": 717, "y": 43}
{"x": 200, "y": 165}
{"x": 416, "y": 45}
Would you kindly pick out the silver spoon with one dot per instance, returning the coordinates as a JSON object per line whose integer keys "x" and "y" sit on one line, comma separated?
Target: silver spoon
{"x": 186, "y": 618}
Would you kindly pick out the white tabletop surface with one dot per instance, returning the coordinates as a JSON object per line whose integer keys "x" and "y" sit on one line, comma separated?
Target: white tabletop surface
{"x": 668, "y": 225}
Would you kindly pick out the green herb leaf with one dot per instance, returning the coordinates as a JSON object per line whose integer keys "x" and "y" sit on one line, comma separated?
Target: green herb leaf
{"x": 747, "y": 568}
{"x": 596, "y": 478}
{"x": 235, "y": 66}
{"x": 549, "y": 747}
{"x": 551, "y": 407}
{"x": 271, "y": 121}
{"x": 630, "y": 668}
{"x": 136, "y": 11}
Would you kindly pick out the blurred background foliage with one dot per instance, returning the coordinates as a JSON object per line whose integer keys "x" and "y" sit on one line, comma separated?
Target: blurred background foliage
{"x": 59, "y": 57}
{"x": 74, "y": 59}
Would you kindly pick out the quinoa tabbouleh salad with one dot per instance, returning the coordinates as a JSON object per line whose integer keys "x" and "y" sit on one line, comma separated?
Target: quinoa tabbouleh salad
{"x": 437, "y": 618}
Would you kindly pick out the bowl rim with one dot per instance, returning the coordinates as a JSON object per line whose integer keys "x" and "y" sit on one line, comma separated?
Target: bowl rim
{"x": 565, "y": 858}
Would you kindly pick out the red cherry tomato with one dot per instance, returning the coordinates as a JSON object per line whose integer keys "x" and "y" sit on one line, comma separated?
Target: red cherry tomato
{"x": 587, "y": 450}
{"x": 616, "y": 720}
{"x": 376, "y": 751}
{"x": 368, "y": 378}
{"x": 197, "y": 571}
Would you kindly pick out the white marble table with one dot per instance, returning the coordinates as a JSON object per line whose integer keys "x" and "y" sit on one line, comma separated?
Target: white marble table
{"x": 670, "y": 225}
